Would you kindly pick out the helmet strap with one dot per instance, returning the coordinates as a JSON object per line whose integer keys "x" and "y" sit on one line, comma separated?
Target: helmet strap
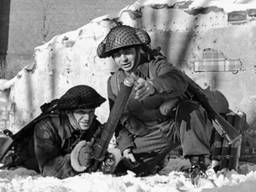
{"x": 137, "y": 58}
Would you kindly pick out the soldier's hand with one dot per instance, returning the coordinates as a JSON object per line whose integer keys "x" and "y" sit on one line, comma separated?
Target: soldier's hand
{"x": 167, "y": 106}
{"x": 112, "y": 158}
{"x": 143, "y": 88}
{"x": 81, "y": 156}
{"x": 127, "y": 153}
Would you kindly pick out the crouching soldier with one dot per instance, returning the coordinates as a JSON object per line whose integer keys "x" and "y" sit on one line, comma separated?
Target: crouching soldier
{"x": 148, "y": 129}
{"x": 62, "y": 136}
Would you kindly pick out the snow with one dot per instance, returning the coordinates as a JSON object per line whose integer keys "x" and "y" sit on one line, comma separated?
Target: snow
{"x": 227, "y": 5}
{"x": 26, "y": 180}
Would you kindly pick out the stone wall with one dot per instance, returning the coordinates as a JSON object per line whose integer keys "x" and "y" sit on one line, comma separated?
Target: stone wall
{"x": 212, "y": 43}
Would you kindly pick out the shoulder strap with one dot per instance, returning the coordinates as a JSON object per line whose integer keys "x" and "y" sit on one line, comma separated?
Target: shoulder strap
{"x": 114, "y": 85}
{"x": 150, "y": 71}
{"x": 115, "y": 81}
{"x": 47, "y": 109}
{"x": 28, "y": 129}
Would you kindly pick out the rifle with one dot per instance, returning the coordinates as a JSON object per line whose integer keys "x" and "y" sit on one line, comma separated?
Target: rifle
{"x": 26, "y": 132}
{"x": 100, "y": 146}
{"x": 222, "y": 126}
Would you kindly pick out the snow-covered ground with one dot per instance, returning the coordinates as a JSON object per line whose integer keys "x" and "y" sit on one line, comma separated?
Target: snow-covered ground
{"x": 24, "y": 180}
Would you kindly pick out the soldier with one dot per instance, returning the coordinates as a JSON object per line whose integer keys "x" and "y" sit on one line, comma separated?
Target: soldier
{"x": 60, "y": 141}
{"x": 159, "y": 115}
{"x": 57, "y": 137}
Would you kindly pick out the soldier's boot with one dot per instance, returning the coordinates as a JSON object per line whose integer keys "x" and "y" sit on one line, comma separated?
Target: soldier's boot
{"x": 199, "y": 166}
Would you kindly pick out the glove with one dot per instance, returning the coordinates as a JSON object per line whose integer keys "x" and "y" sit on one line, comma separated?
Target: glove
{"x": 81, "y": 156}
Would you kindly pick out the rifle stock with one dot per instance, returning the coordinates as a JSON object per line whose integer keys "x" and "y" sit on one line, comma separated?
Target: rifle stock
{"x": 221, "y": 125}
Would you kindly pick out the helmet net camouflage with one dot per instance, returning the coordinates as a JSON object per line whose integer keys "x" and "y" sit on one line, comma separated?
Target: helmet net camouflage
{"x": 80, "y": 97}
{"x": 122, "y": 36}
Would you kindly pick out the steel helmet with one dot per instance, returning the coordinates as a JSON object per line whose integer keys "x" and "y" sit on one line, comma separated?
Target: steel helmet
{"x": 122, "y": 36}
{"x": 80, "y": 97}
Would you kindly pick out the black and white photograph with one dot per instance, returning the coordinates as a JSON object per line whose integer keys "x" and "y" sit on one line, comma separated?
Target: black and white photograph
{"x": 127, "y": 95}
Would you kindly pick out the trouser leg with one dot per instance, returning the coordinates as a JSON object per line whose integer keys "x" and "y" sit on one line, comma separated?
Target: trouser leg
{"x": 150, "y": 151}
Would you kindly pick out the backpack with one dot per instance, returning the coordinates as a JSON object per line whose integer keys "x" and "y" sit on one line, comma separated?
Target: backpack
{"x": 20, "y": 149}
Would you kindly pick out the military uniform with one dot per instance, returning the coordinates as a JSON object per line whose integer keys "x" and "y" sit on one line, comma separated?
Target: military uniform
{"x": 143, "y": 128}
{"x": 61, "y": 141}
{"x": 54, "y": 139}
{"x": 57, "y": 136}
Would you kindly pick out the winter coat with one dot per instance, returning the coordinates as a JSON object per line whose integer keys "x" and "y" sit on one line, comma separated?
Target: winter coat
{"x": 54, "y": 139}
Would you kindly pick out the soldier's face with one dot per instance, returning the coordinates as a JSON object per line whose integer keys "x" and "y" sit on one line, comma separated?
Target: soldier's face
{"x": 84, "y": 117}
{"x": 126, "y": 58}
